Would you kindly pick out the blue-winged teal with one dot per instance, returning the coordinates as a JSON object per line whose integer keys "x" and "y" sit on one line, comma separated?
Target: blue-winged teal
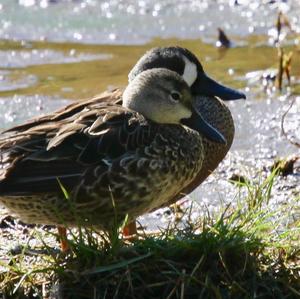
{"x": 114, "y": 160}
{"x": 208, "y": 96}
{"x": 208, "y": 99}
{"x": 177, "y": 59}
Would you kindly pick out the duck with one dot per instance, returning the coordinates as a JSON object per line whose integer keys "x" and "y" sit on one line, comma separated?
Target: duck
{"x": 208, "y": 98}
{"x": 115, "y": 162}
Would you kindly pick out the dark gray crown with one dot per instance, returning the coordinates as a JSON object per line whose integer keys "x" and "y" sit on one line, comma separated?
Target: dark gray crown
{"x": 172, "y": 58}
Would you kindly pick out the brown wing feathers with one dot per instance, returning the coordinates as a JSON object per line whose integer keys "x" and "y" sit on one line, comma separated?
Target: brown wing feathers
{"x": 32, "y": 158}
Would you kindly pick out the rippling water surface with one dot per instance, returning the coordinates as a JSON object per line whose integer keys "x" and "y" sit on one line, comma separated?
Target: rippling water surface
{"x": 136, "y": 22}
{"x": 56, "y": 51}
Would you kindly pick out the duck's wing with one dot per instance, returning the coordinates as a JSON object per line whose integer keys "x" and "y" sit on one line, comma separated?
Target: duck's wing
{"x": 33, "y": 160}
{"x": 114, "y": 97}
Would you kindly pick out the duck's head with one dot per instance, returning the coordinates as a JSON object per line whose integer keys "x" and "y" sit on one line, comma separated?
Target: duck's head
{"x": 164, "y": 97}
{"x": 186, "y": 64}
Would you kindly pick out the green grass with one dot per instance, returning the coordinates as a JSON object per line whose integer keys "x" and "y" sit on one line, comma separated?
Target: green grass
{"x": 244, "y": 251}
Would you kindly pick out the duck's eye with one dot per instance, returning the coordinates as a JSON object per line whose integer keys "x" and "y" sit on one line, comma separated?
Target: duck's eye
{"x": 175, "y": 96}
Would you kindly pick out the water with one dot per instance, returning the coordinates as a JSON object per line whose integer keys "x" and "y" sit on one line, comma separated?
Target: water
{"x": 53, "y": 52}
{"x": 136, "y": 22}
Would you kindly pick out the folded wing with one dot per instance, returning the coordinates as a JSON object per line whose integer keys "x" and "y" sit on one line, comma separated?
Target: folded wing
{"x": 34, "y": 156}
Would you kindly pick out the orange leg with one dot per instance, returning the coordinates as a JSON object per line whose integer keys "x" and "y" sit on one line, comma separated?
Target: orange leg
{"x": 130, "y": 229}
{"x": 62, "y": 232}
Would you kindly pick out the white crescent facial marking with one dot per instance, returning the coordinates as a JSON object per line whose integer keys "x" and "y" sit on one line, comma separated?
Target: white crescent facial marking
{"x": 190, "y": 71}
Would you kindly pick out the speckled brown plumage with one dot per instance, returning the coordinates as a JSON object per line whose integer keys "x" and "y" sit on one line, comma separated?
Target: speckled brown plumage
{"x": 112, "y": 161}
{"x": 218, "y": 115}
{"x": 86, "y": 131}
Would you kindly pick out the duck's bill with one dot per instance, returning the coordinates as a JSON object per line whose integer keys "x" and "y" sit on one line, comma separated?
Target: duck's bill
{"x": 197, "y": 122}
{"x": 209, "y": 87}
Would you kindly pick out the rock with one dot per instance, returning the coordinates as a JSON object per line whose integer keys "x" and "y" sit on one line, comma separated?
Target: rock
{"x": 285, "y": 166}
{"x": 7, "y": 221}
